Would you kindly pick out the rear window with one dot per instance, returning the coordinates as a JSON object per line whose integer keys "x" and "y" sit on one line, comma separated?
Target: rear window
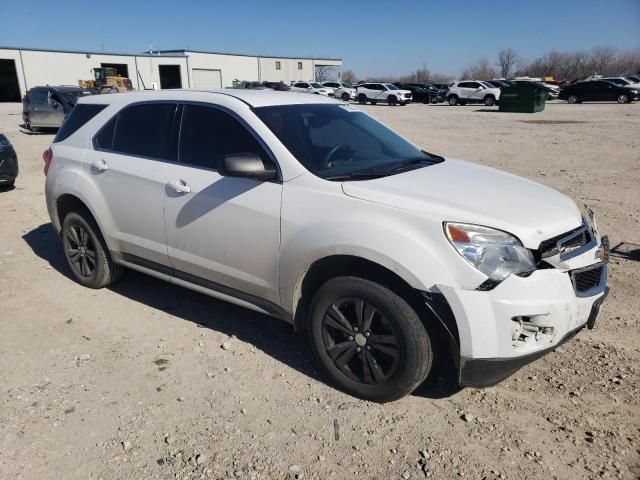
{"x": 80, "y": 115}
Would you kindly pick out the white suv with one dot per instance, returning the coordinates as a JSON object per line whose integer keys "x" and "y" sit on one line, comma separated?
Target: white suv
{"x": 382, "y": 92}
{"x": 311, "y": 87}
{"x": 473, "y": 91}
{"x": 396, "y": 262}
{"x": 341, "y": 90}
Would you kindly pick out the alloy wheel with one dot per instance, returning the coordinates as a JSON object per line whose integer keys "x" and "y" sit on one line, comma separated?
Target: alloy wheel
{"x": 361, "y": 341}
{"x": 81, "y": 250}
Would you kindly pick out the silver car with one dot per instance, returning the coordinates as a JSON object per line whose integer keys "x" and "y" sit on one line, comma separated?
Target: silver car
{"x": 46, "y": 107}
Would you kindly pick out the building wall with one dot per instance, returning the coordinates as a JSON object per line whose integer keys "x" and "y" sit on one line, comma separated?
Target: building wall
{"x": 36, "y": 67}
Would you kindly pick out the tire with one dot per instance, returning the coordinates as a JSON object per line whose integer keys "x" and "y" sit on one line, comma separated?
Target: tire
{"x": 463, "y": 102}
{"x": 346, "y": 97}
{"x": 392, "y": 100}
{"x": 381, "y": 370}
{"x": 489, "y": 101}
{"x": 362, "y": 99}
{"x": 453, "y": 100}
{"x": 86, "y": 252}
{"x": 373, "y": 102}
{"x": 572, "y": 99}
{"x": 623, "y": 98}
{"x": 402, "y": 104}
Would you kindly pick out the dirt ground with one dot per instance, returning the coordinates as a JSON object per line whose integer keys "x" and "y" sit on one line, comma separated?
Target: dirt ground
{"x": 131, "y": 382}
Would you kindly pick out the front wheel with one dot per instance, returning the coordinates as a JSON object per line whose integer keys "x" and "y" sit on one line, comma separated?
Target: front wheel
{"x": 489, "y": 100}
{"x": 393, "y": 101}
{"x": 368, "y": 339}
{"x": 345, "y": 97}
{"x": 623, "y": 98}
{"x": 453, "y": 100}
{"x": 572, "y": 99}
{"x": 86, "y": 252}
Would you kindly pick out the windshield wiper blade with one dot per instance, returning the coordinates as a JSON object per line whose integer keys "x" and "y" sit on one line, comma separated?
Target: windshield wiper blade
{"x": 357, "y": 176}
{"x": 408, "y": 164}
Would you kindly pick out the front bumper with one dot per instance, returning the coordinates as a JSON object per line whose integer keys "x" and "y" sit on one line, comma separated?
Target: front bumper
{"x": 518, "y": 321}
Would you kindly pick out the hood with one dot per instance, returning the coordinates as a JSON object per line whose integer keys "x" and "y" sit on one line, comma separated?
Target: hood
{"x": 460, "y": 191}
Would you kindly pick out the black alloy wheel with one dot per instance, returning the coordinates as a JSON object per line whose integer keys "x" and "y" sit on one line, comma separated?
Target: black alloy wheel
{"x": 360, "y": 341}
{"x": 80, "y": 250}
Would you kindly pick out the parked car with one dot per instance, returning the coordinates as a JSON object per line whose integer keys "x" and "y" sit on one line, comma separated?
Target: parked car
{"x": 382, "y": 92}
{"x": 423, "y": 92}
{"x": 277, "y": 86}
{"x": 249, "y": 85}
{"x": 598, "y": 91}
{"x": 621, "y": 82}
{"x": 473, "y": 91}
{"x": 311, "y": 87}
{"x": 393, "y": 260}
{"x": 46, "y": 107}
{"x": 633, "y": 78}
{"x": 441, "y": 86}
{"x": 341, "y": 90}
{"x": 8, "y": 162}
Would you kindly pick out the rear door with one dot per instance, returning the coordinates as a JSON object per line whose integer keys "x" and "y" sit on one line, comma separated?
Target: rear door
{"x": 222, "y": 232}
{"x": 127, "y": 166}
{"x": 38, "y": 107}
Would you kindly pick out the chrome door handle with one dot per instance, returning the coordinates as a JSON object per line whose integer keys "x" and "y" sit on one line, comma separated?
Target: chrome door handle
{"x": 179, "y": 186}
{"x": 100, "y": 165}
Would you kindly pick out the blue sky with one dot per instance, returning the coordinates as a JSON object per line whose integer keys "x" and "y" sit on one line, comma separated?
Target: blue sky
{"x": 373, "y": 37}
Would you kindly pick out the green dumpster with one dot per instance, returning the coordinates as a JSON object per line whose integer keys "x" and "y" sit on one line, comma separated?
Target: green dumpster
{"x": 522, "y": 98}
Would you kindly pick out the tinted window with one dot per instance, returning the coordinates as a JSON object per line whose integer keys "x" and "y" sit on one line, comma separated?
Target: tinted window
{"x": 145, "y": 130}
{"x": 38, "y": 96}
{"x": 80, "y": 115}
{"x": 465, "y": 85}
{"x": 208, "y": 134}
{"x": 104, "y": 139}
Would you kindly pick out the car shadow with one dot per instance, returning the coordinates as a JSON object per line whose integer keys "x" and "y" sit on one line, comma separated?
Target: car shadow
{"x": 626, "y": 251}
{"x": 274, "y": 337}
{"x": 7, "y": 188}
{"x": 40, "y": 131}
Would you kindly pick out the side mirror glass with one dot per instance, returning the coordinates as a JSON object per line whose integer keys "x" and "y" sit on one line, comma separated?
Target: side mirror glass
{"x": 246, "y": 165}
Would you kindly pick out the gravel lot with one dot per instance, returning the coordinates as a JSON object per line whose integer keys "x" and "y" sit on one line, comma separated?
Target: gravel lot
{"x": 132, "y": 381}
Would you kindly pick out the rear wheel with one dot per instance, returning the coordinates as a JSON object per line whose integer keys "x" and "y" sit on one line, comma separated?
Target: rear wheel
{"x": 623, "y": 98}
{"x": 368, "y": 339}
{"x": 572, "y": 99}
{"x": 86, "y": 252}
{"x": 453, "y": 100}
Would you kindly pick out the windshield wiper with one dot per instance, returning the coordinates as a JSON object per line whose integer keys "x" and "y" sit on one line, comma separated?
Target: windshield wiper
{"x": 410, "y": 164}
{"x": 357, "y": 176}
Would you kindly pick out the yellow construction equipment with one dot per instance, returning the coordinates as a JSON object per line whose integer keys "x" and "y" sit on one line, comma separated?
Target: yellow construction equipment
{"x": 106, "y": 80}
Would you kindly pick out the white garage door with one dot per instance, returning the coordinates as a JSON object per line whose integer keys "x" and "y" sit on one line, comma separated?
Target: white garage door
{"x": 206, "y": 79}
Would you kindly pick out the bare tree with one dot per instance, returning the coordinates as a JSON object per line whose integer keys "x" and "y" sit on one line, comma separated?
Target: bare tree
{"x": 482, "y": 70}
{"x": 326, "y": 72}
{"x": 602, "y": 60}
{"x": 348, "y": 76}
{"x": 508, "y": 62}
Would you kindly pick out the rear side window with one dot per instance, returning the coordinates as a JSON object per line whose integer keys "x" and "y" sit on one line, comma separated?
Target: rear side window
{"x": 145, "y": 130}
{"x": 104, "y": 139}
{"x": 78, "y": 116}
{"x": 208, "y": 134}
{"x": 38, "y": 96}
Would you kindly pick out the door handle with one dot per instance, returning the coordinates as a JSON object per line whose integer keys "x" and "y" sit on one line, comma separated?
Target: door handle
{"x": 179, "y": 186}
{"x": 100, "y": 165}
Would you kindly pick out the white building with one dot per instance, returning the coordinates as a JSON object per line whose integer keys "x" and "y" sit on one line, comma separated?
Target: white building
{"x": 23, "y": 68}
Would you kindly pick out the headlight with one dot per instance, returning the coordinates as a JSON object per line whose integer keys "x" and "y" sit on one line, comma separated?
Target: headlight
{"x": 495, "y": 253}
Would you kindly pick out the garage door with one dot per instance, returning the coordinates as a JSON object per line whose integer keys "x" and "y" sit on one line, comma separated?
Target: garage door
{"x": 206, "y": 79}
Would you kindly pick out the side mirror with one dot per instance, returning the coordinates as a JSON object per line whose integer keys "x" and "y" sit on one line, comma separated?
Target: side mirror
{"x": 309, "y": 88}
{"x": 246, "y": 165}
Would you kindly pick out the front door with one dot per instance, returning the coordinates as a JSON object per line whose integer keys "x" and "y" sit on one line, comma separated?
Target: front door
{"x": 222, "y": 232}
{"x": 127, "y": 169}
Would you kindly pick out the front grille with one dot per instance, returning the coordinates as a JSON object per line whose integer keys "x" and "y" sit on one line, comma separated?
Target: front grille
{"x": 575, "y": 239}
{"x": 585, "y": 280}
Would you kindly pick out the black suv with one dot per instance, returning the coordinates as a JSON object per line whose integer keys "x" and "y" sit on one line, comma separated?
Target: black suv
{"x": 598, "y": 91}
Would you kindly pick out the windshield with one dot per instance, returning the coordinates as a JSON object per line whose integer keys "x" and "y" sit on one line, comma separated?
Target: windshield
{"x": 347, "y": 85}
{"x": 316, "y": 85}
{"x": 391, "y": 86}
{"x": 71, "y": 96}
{"x": 618, "y": 81}
{"x": 338, "y": 141}
{"x": 488, "y": 85}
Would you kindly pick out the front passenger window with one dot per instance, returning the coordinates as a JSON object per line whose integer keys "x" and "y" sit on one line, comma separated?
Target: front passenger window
{"x": 208, "y": 134}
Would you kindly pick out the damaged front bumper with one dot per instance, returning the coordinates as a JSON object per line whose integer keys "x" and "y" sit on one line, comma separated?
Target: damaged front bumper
{"x": 522, "y": 319}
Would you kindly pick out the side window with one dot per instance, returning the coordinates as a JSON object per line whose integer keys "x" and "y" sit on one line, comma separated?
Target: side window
{"x": 38, "y": 97}
{"x": 80, "y": 115}
{"x": 465, "y": 85}
{"x": 208, "y": 134}
{"x": 104, "y": 139}
{"x": 146, "y": 130}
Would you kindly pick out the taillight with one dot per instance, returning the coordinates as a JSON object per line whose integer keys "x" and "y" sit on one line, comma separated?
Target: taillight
{"x": 47, "y": 155}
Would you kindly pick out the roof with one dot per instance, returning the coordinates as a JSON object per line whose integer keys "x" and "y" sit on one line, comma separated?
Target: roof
{"x": 86, "y": 52}
{"x": 287, "y": 57}
{"x": 253, "y": 98}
